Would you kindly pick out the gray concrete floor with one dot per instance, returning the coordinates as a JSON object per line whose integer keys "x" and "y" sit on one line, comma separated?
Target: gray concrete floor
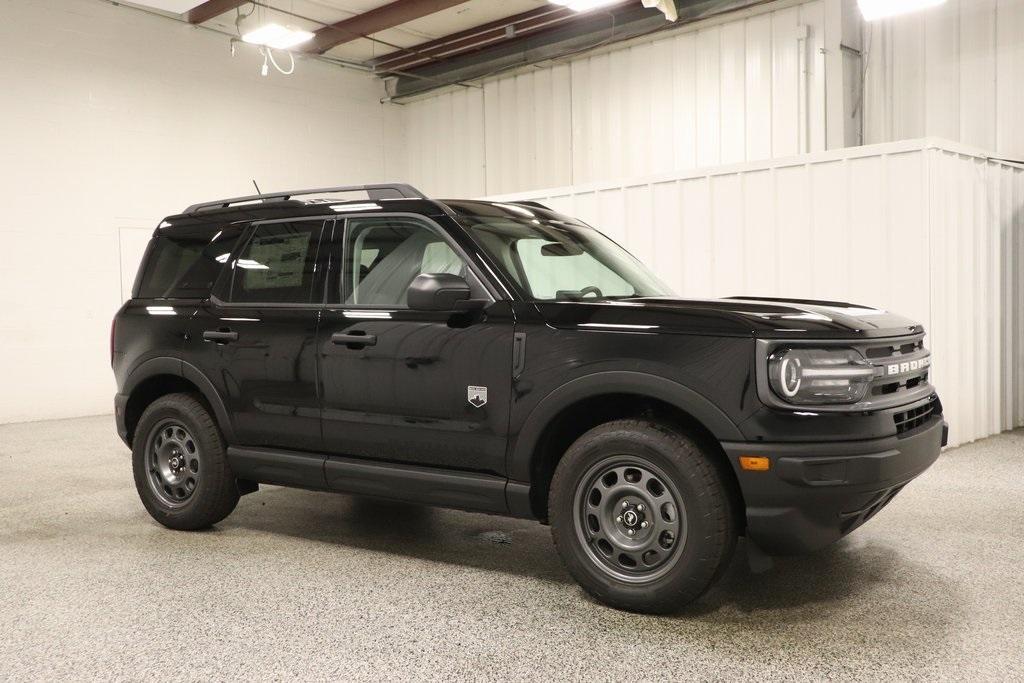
{"x": 317, "y": 586}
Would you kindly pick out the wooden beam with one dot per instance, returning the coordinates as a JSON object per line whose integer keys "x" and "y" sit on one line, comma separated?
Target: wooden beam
{"x": 210, "y": 9}
{"x": 393, "y": 14}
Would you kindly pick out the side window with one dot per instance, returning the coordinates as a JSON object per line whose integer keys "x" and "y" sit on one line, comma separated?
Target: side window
{"x": 384, "y": 254}
{"x": 186, "y": 262}
{"x": 277, "y": 264}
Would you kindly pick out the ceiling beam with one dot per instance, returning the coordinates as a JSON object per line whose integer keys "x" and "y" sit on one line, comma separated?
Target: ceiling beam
{"x": 582, "y": 33}
{"x": 393, "y": 14}
{"x": 210, "y": 9}
{"x": 473, "y": 38}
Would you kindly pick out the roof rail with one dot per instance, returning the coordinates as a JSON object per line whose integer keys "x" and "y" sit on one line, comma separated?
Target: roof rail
{"x": 379, "y": 191}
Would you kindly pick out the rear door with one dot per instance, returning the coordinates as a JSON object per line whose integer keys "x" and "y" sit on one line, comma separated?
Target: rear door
{"x": 425, "y": 387}
{"x": 258, "y": 335}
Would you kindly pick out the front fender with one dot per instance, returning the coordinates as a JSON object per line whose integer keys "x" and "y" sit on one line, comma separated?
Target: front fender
{"x": 613, "y": 382}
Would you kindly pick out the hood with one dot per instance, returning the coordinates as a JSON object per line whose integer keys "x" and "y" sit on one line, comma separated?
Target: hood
{"x": 739, "y": 316}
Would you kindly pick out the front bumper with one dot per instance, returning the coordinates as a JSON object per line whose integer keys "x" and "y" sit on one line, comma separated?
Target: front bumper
{"x": 815, "y": 493}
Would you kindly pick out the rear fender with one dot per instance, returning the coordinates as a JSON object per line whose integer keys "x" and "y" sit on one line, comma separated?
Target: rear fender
{"x": 175, "y": 366}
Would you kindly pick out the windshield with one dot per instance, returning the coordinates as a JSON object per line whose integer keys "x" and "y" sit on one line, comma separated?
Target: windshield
{"x": 560, "y": 259}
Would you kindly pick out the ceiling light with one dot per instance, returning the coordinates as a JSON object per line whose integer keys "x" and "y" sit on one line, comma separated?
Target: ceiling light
{"x": 359, "y": 206}
{"x": 585, "y": 5}
{"x": 880, "y": 9}
{"x": 277, "y": 36}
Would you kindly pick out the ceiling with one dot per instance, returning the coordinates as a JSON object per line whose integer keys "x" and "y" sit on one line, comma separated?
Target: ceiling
{"x": 426, "y": 44}
{"x": 314, "y": 14}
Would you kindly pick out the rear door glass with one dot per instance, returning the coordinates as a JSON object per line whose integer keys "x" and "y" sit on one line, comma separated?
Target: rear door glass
{"x": 277, "y": 264}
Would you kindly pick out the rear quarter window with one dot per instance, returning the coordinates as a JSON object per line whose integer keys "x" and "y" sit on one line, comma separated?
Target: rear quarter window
{"x": 185, "y": 263}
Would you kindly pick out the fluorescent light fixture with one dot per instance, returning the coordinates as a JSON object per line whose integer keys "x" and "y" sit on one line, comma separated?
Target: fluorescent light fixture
{"x": 518, "y": 209}
{"x": 880, "y": 9}
{"x": 161, "y": 310}
{"x": 367, "y": 315}
{"x": 618, "y": 326}
{"x": 364, "y": 206}
{"x": 249, "y": 264}
{"x": 584, "y": 5}
{"x": 277, "y": 36}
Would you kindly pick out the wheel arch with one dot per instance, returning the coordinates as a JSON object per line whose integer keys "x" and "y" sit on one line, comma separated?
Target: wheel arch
{"x": 578, "y": 406}
{"x": 158, "y": 377}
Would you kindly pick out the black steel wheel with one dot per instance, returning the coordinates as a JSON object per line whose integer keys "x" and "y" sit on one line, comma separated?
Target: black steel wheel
{"x": 173, "y": 462}
{"x": 631, "y": 518}
{"x": 180, "y": 463}
{"x": 642, "y": 515}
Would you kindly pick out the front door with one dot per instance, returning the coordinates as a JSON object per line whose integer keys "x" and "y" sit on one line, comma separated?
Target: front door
{"x": 258, "y": 336}
{"x": 429, "y": 388}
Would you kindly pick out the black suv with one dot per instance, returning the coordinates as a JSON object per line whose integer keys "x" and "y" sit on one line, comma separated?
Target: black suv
{"x": 504, "y": 358}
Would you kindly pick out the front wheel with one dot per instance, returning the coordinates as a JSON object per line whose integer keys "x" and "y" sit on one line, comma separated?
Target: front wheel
{"x": 641, "y": 517}
{"x": 180, "y": 464}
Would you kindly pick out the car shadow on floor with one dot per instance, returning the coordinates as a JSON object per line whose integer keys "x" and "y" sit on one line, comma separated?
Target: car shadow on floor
{"x": 851, "y": 570}
{"x": 481, "y": 541}
{"x": 833, "y": 581}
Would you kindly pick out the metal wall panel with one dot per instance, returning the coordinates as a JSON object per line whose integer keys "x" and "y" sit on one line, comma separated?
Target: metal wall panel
{"x": 926, "y": 228}
{"x": 723, "y": 91}
{"x": 954, "y": 71}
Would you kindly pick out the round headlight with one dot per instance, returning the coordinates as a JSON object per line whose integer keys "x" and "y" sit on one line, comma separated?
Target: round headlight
{"x": 789, "y": 376}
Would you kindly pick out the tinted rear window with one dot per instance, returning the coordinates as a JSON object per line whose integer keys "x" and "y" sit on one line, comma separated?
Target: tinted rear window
{"x": 185, "y": 264}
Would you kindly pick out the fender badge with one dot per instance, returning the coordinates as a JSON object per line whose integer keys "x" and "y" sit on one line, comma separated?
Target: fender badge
{"x": 477, "y": 396}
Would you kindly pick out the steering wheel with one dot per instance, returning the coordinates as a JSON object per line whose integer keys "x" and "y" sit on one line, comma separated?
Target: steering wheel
{"x": 591, "y": 290}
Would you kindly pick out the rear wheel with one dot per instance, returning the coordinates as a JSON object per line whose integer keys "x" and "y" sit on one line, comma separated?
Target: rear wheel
{"x": 180, "y": 464}
{"x": 641, "y": 516}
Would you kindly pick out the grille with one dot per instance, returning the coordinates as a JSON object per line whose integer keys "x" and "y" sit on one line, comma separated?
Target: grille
{"x": 899, "y": 354}
{"x": 894, "y": 350}
{"x": 915, "y": 417}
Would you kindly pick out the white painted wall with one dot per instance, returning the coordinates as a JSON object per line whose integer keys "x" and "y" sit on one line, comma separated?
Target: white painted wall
{"x": 110, "y": 120}
{"x": 955, "y": 71}
{"x": 926, "y": 228}
{"x": 721, "y": 91}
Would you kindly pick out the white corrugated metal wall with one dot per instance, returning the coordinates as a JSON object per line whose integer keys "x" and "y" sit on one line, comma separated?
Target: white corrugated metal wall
{"x": 925, "y": 228}
{"x": 718, "y": 92}
{"x": 727, "y": 91}
{"x": 954, "y": 71}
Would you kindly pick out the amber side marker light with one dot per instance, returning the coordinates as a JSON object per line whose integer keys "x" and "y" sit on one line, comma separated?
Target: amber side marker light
{"x": 755, "y": 463}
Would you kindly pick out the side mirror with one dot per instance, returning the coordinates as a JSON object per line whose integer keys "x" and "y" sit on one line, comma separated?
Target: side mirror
{"x": 438, "y": 292}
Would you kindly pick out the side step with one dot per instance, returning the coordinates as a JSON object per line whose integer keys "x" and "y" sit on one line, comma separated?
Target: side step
{"x": 410, "y": 483}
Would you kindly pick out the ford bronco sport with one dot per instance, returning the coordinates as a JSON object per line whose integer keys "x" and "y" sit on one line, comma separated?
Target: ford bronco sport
{"x": 503, "y": 358}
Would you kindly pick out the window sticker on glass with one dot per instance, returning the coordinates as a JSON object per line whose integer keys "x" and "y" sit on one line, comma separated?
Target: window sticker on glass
{"x": 275, "y": 261}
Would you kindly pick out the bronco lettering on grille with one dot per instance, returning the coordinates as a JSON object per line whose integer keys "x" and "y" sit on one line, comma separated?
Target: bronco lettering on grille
{"x": 908, "y": 366}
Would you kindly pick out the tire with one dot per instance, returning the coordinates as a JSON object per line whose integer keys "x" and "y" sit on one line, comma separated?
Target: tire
{"x": 180, "y": 464}
{"x": 682, "y": 530}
